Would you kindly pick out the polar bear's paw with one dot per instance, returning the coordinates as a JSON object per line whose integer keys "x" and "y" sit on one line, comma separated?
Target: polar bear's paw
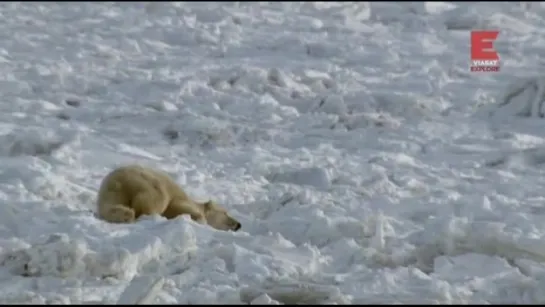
{"x": 119, "y": 214}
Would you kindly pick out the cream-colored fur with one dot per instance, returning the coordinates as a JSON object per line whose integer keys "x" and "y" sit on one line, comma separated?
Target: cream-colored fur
{"x": 131, "y": 191}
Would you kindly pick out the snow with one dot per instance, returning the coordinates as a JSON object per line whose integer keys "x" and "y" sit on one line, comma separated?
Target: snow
{"x": 366, "y": 163}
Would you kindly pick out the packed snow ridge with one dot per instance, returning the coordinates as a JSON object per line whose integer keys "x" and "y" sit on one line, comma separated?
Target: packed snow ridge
{"x": 365, "y": 161}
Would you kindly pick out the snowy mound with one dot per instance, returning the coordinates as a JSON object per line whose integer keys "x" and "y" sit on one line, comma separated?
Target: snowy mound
{"x": 516, "y": 119}
{"x": 339, "y": 134}
{"x": 523, "y": 98}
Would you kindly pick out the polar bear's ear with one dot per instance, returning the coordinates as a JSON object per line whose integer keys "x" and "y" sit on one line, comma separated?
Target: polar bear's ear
{"x": 208, "y": 205}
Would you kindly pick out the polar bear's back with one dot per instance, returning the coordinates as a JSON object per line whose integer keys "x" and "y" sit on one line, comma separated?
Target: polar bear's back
{"x": 121, "y": 185}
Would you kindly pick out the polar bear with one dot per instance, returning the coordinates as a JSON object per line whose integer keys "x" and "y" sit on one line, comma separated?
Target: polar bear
{"x": 131, "y": 191}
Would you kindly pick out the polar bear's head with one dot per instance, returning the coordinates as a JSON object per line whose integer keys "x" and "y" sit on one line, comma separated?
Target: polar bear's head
{"x": 217, "y": 217}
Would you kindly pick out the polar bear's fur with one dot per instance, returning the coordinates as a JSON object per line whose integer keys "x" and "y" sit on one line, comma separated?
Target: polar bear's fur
{"x": 131, "y": 191}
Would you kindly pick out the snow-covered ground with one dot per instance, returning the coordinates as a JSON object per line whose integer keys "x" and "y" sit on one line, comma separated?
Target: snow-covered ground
{"x": 364, "y": 160}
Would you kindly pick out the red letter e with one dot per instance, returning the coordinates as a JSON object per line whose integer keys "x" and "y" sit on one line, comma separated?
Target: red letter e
{"x": 482, "y": 40}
